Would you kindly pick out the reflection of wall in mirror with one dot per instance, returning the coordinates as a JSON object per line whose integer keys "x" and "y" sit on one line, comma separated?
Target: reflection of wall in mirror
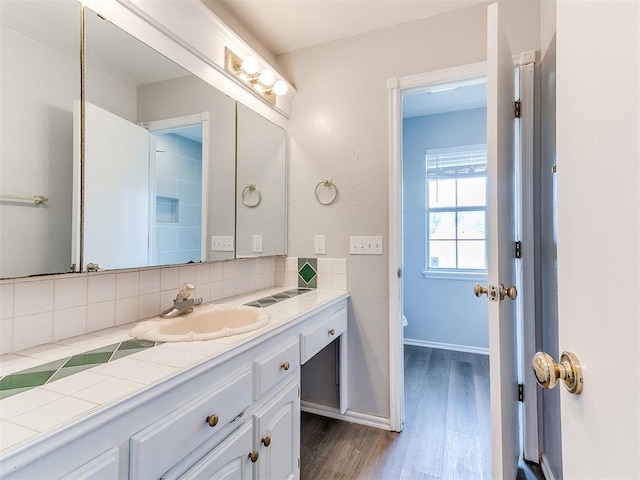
{"x": 187, "y": 96}
{"x": 39, "y": 85}
{"x": 261, "y": 162}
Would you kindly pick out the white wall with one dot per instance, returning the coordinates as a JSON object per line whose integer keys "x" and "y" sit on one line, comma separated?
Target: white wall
{"x": 38, "y": 87}
{"x": 439, "y": 310}
{"x": 339, "y": 130}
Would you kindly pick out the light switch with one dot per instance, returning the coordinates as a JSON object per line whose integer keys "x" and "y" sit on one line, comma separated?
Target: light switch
{"x": 320, "y": 245}
{"x": 365, "y": 245}
{"x": 257, "y": 244}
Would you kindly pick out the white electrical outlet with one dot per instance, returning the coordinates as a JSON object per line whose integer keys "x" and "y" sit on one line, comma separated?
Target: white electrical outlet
{"x": 222, "y": 243}
{"x": 257, "y": 244}
{"x": 365, "y": 245}
{"x": 320, "y": 245}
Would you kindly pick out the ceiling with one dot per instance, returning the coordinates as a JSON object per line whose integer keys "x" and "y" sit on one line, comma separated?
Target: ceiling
{"x": 442, "y": 100}
{"x": 287, "y": 25}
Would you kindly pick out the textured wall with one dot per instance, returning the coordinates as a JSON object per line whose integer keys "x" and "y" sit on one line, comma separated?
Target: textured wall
{"x": 339, "y": 130}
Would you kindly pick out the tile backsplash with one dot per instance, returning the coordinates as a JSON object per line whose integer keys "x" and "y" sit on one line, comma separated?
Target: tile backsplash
{"x": 39, "y": 310}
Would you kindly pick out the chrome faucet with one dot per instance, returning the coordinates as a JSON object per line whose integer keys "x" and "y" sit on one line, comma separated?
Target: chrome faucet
{"x": 182, "y": 304}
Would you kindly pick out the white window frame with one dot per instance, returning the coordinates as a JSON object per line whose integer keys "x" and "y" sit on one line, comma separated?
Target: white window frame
{"x": 430, "y": 272}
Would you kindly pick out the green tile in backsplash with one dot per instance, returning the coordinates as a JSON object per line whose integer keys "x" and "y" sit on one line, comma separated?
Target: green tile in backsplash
{"x": 307, "y": 272}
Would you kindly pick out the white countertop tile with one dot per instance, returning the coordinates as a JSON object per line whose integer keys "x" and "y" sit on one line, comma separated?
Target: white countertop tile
{"x": 107, "y": 390}
{"x": 44, "y": 408}
{"x": 52, "y": 414}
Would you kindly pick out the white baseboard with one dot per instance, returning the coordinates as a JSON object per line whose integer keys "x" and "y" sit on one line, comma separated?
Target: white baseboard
{"x": 546, "y": 468}
{"x": 350, "y": 416}
{"x": 446, "y": 346}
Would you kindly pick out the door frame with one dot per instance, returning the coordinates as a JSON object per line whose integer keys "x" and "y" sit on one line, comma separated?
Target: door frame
{"x": 397, "y": 86}
{"x": 159, "y": 126}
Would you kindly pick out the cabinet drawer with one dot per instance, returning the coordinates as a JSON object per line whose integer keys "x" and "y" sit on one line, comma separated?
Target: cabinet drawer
{"x": 158, "y": 447}
{"x": 318, "y": 337}
{"x": 277, "y": 365}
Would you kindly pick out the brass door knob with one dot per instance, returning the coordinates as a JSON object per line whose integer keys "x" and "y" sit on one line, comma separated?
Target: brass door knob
{"x": 93, "y": 267}
{"x": 285, "y": 366}
{"x": 266, "y": 441}
{"x": 254, "y": 456}
{"x": 212, "y": 420}
{"x": 510, "y": 292}
{"x": 332, "y": 332}
{"x": 547, "y": 372}
{"x": 479, "y": 290}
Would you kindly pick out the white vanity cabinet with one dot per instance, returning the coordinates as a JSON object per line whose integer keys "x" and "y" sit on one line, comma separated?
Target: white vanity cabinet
{"x": 103, "y": 467}
{"x": 276, "y": 428}
{"x": 235, "y": 415}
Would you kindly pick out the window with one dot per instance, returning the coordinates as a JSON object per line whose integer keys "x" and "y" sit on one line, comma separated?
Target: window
{"x": 456, "y": 186}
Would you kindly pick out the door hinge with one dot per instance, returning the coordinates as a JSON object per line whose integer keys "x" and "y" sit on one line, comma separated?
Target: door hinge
{"x": 518, "y": 250}
{"x": 520, "y": 392}
{"x": 517, "y": 109}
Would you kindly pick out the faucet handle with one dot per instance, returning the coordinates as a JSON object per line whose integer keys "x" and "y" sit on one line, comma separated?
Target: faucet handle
{"x": 185, "y": 290}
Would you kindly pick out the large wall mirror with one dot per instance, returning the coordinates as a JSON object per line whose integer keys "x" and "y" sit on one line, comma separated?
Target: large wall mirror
{"x": 160, "y": 184}
{"x": 39, "y": 82}
{"x": 159, "y": 157}
{"x": 261, "y": 186}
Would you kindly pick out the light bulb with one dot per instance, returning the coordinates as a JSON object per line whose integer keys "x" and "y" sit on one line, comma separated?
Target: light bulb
{"x": 280, "y": 87}
{"x": 267, "y": 77}
{"x": 250, "y": 65}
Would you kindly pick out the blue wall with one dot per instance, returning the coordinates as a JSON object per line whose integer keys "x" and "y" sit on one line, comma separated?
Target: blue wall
{"x": 439, "y": 311}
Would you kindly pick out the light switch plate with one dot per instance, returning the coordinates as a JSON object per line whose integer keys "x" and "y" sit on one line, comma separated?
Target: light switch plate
{"x": 222, "y": 243}
{"x": 257, "y": 244}
{"x": 365, "y": 245}
{"x": 320, "y": 245}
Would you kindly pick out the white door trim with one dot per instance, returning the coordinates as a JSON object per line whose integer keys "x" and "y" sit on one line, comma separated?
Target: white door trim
{"x": 397, "y": 86}
{"x": 528, "y": 314}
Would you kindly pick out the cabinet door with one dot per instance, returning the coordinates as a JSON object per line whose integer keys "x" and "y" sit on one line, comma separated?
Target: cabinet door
{"x": 277, "y": 435}
{"x": 229, "y": 461}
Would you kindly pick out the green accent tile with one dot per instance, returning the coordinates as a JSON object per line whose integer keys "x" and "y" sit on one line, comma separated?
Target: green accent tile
{"x": 301, "y": 262}
{"x": 135, "y": 344}
{"x": 66, "y": 371}
{"x": 253, "y": 304}
{"x": 127, "y": 352}
{"x": 307, "y": 273}
{"x": 265, "y": 302}
{"x": 8, "y": 393}
{"x": 313, "y": 283}
{"x": 281, "y": 296}
{"x": 88, "y": 359}
{"x": 45, "y": 367}
{"x": 22, "y": 380}
{"x": 108, "y": 349}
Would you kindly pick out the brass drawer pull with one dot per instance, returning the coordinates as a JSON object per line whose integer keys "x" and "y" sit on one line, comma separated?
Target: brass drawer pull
{"x": 254, "y": 457}
{"x": 285, "y": 366}
{"x": 266, "y": 441}
{"x": 212, "y": 420}
{"x": 332, "y": 332}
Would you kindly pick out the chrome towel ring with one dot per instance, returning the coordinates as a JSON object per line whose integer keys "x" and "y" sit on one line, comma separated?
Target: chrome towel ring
{"x": 247, "y": 194}
{"x": 331, "y": 192}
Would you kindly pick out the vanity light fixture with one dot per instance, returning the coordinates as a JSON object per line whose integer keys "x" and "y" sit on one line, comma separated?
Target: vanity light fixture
{"x": 248, "y": 71}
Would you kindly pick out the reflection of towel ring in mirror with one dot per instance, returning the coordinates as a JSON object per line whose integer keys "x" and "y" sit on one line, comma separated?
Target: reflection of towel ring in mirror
{"x": 329, "y": 185}
{"x": 247, "y": 190}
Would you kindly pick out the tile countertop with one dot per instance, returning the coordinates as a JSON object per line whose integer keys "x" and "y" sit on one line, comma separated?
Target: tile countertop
{"x": 31, "y": 414}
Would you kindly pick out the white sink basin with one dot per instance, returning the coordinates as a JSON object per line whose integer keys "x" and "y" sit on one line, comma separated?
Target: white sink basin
{"x": 204, "y": 323}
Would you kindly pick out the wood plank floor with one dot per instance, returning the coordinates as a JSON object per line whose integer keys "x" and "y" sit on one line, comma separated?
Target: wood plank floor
{"x": 446, "y": 433}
